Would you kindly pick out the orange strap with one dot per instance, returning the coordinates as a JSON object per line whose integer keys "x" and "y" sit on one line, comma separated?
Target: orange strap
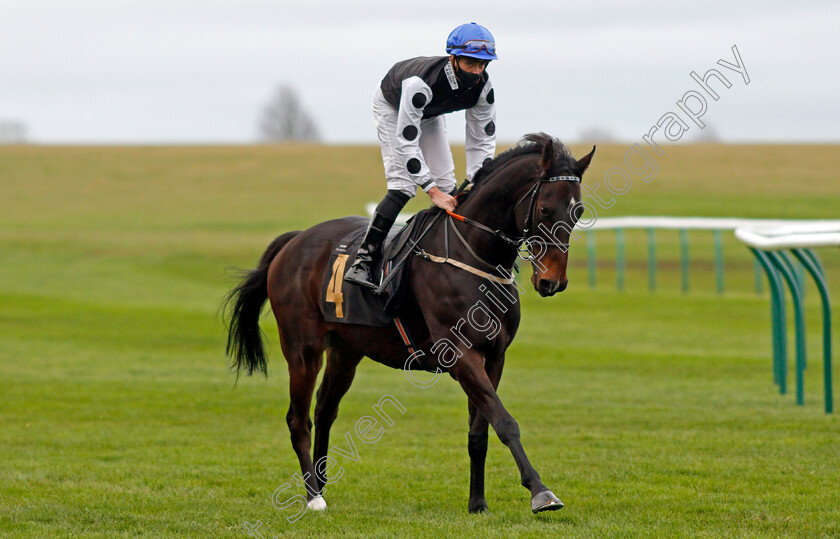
{"x": 456, "y": 216}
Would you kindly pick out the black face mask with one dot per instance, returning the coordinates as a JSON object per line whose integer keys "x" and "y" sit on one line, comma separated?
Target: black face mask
{"x": 467, "y": 79}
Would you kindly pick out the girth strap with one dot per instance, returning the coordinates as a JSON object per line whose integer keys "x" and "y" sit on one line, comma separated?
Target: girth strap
{"x": 405, "y": 336}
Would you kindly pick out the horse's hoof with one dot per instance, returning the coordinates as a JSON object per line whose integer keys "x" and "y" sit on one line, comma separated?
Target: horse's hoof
{"x": 479, "y": 508}
{"x": 316, "y": 504}
{"x": 545, "y": 501}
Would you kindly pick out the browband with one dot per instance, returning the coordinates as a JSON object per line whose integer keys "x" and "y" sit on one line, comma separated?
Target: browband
{"x": 561, "y": 179}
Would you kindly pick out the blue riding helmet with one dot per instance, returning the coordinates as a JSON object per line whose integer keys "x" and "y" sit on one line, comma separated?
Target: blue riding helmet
{"x": 472, "y": 40}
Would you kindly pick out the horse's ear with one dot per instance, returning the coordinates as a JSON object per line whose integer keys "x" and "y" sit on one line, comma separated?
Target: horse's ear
{"x": 583, "y": 162}
{"x": 547, "y": 158}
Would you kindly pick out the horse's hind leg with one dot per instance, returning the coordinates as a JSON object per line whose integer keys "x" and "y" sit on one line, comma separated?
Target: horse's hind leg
{"x": 338, "y": 375}
{"x": 477, "y": 448}
{"x": 304, "y": 363}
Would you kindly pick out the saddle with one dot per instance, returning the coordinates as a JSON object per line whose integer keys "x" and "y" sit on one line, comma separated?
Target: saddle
{"x": 348, "y": 303}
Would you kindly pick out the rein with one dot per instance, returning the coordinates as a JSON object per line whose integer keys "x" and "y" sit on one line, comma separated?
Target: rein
{"x": 514, "y": 241}
{"x": 519, "y": 241}
{"x": 460, "y": 265}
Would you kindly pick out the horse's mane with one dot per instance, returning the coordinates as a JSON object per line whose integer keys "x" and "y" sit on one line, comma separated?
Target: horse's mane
{"x": 532, "y": 143}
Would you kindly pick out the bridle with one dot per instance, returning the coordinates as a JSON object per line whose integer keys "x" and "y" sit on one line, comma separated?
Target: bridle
{"x": 520, "y": 242}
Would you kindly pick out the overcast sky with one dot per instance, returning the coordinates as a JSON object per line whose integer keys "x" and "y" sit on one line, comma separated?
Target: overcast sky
{"x": 200, "y": 71}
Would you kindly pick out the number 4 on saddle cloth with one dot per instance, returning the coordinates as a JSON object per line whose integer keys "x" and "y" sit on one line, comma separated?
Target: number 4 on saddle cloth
{"x": 348, "y": 303}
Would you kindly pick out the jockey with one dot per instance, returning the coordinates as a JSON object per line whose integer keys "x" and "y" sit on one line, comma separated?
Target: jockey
{"x": 408, "y": 108}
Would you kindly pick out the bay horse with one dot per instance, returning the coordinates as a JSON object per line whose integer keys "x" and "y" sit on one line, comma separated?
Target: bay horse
{"x": 527, "y": 195}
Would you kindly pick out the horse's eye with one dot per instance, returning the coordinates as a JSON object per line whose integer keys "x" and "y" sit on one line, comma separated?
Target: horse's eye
{"x": 577, "y": 212}
{"x": 545, "y": 211}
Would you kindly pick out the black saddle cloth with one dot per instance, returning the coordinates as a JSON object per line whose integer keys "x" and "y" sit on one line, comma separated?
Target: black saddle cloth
{"x": 349, "y": 303}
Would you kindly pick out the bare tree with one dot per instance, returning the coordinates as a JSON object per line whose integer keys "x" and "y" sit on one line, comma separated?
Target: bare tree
{"x": 285, "y": 120}
{"x": 12, "y": 132}
{"x": 709, "y": 135}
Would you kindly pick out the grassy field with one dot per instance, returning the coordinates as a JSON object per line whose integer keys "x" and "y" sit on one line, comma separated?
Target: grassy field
{"x": 650, "y": 415}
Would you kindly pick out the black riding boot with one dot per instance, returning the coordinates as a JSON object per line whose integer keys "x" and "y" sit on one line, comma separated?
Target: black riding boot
{"x": 361, "y": 272}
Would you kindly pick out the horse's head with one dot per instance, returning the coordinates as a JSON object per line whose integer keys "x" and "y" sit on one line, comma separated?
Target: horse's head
{"x": 554, "y": 206}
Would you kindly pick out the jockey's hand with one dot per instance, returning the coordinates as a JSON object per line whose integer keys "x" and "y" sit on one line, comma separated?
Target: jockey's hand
{"x": 442, "y": 200}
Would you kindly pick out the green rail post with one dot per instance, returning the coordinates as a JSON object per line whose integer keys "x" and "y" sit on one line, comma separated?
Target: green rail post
{"x": 651, "y": 234}
{"x": 590, "y": 256}
{"x": 800, "y": 276}
{"x": 793, "y": 269}
{"x": 816, "y": 261}
{"x": 797, "y": 270}
{"x": 757, "y": 268}
{"x": 684, "y": 256}
{"x": 785, "y": 267}
{"x": 813, "y": 266}
{"x": 777, "y": 317}
{"x": 719, "y": 260}
{"x": 619, "y": 262}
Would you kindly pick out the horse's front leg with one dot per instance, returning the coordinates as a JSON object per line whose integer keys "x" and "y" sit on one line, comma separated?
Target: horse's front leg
{"x": 469, "y": 372}
{"x": 477, "y": 442}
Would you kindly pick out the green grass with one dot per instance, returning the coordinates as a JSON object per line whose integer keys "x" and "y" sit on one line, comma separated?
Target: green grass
{"x": 650, "y": 415}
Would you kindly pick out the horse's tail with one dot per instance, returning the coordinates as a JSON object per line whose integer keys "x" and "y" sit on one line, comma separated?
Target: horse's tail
{"x": 245, "y": 343}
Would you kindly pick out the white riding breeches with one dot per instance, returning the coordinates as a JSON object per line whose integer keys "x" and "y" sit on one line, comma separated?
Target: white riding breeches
{"x": 434, "y": 146}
